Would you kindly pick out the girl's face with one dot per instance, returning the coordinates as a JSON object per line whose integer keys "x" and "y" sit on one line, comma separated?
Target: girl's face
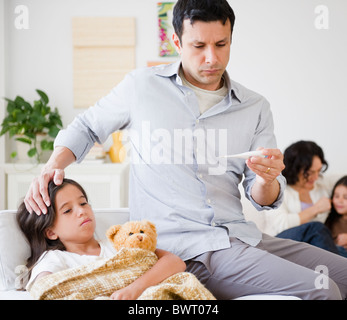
{"x": 340, "y": 199}
{"x": 75, "y": 222}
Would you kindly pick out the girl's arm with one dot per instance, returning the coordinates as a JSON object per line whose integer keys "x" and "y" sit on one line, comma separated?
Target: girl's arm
{"x": 167, "y": 265}
{"x": 341, "y": 240}
{"x": 322, "y": 205}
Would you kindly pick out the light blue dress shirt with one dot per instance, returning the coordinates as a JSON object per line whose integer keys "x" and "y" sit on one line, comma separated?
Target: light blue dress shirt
{"x": 177, "y": 179}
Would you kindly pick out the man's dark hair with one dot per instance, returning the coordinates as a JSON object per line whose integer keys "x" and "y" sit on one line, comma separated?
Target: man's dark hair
{"x": 201, "y": 10}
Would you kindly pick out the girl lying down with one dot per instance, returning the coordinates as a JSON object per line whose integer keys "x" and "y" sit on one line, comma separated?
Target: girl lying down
{"x": 64, "y": 238}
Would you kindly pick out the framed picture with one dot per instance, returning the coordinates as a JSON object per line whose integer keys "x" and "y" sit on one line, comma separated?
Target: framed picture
{"x": 165, "y": 13}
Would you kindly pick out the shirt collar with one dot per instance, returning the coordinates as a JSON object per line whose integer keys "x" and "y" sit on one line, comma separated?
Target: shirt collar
{"x": 172, "y": 69}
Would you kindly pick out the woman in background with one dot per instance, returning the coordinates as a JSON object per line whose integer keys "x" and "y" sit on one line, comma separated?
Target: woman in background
{"x": 306, "y": 203}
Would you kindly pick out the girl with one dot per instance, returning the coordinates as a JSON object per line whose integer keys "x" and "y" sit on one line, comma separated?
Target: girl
{"x": 337, "y": 219}
{"x": 64, "y": 238}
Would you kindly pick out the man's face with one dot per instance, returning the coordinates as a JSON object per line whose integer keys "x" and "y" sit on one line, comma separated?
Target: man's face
{"x": 204, "y": 50}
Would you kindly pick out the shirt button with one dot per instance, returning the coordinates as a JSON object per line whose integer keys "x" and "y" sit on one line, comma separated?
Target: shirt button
{"x": 213, "y": 224}
{"x": 197, "y": 121}
{"x": 200, "y": 176}
{"x": 209, "y": 201}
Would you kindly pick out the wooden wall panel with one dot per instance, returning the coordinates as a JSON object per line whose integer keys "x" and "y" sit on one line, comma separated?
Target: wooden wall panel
{"x": 103, "y": 53}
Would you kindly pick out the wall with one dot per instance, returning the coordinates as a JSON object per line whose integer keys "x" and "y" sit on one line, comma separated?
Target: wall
{"x": 301, "y": 70}
{"x": 277, "y": 51}
{"x": 2, "y": 104}
{"x": 41, "y": 56}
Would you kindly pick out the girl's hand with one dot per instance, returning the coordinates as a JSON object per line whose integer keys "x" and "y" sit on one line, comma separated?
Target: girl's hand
{"x": 341, "y": 240}
{"x": 128, "y": 293}
{"x": 322, "y": 205}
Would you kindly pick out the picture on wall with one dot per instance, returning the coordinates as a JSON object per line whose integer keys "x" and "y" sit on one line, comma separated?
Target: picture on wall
{"x": 165, "y": 13}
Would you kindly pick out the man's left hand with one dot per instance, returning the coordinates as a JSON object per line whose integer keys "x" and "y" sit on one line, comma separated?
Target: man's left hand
{"x": 269, "y": 168}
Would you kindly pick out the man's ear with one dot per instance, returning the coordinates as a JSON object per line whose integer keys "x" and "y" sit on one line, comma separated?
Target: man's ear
{"x": 177, "y": 42}
{"x": 50, "y": 234}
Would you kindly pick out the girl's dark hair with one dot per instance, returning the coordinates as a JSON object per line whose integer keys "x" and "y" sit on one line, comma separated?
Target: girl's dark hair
{"x": 298, "y": 157}
{"x": 201, "y": 10}
{"x": 333, "y": 215}
{"x": 34, "y": 227}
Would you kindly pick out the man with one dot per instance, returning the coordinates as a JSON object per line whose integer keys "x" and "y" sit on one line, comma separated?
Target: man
{"x": 183, "y": 119}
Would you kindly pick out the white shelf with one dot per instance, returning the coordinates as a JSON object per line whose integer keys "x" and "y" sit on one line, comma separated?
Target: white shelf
{"x": 106, "y": 184}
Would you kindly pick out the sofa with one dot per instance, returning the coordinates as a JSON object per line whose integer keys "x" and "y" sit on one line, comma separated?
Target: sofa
{"x": 14, "y": 251}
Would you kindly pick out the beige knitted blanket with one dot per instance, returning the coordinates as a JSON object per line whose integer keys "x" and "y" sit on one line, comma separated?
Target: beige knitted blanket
{"x": 98, "y": 280}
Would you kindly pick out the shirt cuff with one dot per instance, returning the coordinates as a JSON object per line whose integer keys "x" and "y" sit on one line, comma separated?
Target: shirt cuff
{"x": 282, "y": 182}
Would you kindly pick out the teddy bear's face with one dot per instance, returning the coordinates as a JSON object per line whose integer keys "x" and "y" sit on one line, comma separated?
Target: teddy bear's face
{"x": 134, "y": 234}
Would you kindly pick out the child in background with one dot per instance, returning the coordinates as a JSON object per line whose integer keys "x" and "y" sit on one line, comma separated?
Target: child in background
{"x": 64, "y": 238}
{"x": 337, "y": 218}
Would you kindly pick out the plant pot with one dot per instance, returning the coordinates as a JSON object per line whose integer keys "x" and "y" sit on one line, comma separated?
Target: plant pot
{"x": 22, "y": 152}
{"x": 23, "y": 148}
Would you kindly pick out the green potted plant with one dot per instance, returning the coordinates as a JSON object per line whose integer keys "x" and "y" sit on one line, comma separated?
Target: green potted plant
{"x": 32, "y": 124}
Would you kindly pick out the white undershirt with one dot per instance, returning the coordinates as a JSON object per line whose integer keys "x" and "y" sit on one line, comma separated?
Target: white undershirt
{"x": 206, "y": 98}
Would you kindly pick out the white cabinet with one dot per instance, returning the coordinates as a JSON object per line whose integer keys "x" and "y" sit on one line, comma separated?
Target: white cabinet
{"x": 106, "y": 184}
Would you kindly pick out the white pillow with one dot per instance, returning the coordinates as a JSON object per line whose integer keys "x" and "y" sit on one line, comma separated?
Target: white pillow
{"x": 106, "y": 218}
{"x": 14, "y": 249}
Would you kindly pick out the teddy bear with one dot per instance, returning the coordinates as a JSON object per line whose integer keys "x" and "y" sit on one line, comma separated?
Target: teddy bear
{"x": 133, "y": 234}
{"x": 143, "y": 235}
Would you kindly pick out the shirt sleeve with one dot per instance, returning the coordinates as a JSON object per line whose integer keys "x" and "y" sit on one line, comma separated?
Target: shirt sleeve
{"x": 263, "y": 137}
{"x": 282, "y": 182}
{"x": 109, "y": 114}
{"x": 50, "y": 261}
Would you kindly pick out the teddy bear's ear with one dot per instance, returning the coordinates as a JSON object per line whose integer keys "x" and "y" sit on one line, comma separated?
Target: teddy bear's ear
{"x": 112, "y": 231}
{"x": 150, "y": 224}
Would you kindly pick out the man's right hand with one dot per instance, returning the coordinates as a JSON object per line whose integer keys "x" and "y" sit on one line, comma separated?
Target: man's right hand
{"x": 37, "y": 198}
